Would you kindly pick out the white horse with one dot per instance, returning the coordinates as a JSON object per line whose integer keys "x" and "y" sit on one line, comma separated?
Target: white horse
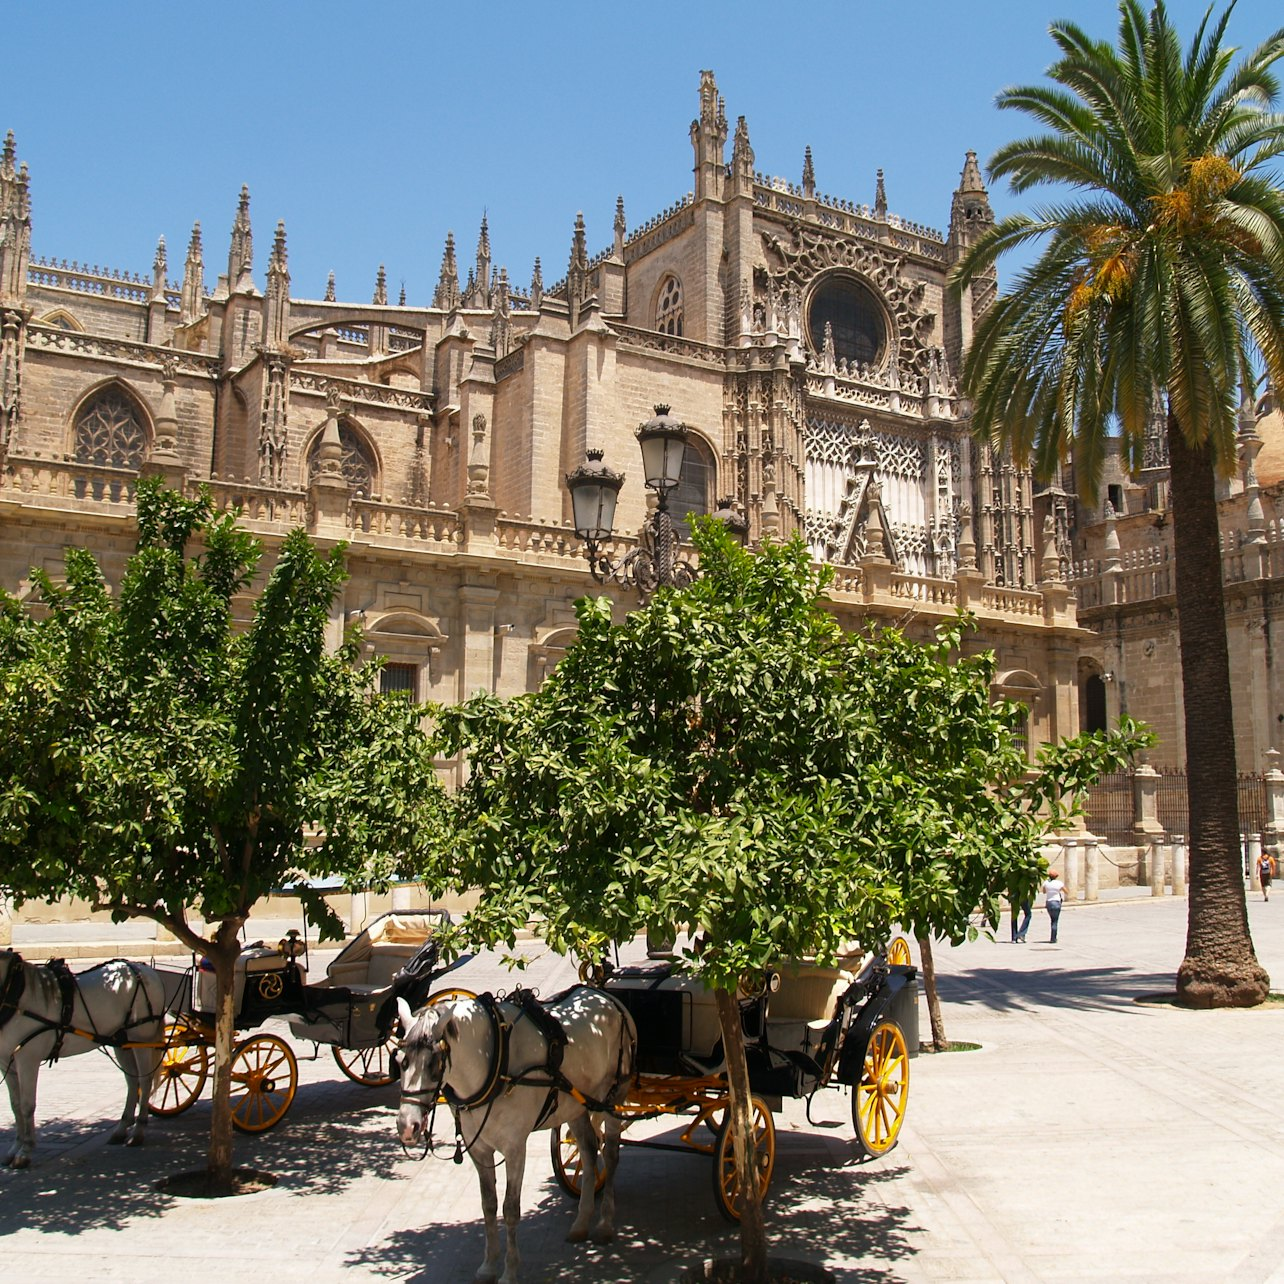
{"x": 114, "y": 1005}
{"x": 502, "y": 1087}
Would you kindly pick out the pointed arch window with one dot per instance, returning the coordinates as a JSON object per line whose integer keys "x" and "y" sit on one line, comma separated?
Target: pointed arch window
{"x": 356, "y": 462}
{"x": 668, "y": 308}
{"x": 110, "y": 430}
{"x": 693, "y": 495}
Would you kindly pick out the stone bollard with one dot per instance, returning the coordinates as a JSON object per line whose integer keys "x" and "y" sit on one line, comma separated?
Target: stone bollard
{"x": 1179, "y": 865}
{"x": 1091, "y": 868}
{"x": 1253, "y": 854}
{"x": 1158, "y": 860}
{"x": 1070, "y": 874}
{"x": 358, "y": 912}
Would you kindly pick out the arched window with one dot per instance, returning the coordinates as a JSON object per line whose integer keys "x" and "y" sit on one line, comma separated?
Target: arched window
{"x": 357, "y": 462}
{"x": 693, "y": 495}
{"x": 668, "y": 308}
{"x": 110, "y": 430}
{"x": 62, "y": 319}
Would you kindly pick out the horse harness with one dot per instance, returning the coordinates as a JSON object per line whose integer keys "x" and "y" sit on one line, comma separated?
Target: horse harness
{"x": 15, "y": 985}
{"x": 499, "y": 1080}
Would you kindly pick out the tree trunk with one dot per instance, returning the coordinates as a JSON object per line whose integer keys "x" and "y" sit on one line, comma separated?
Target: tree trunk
{"x": 939, "y": 1041}
{"x": 223, "y": 957}
{"x": 753, "y": 1232}
{"x": 1220, "y": 968}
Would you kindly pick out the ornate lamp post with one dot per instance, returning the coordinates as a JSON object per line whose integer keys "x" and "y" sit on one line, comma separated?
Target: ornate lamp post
{"x": 594, "y": 487}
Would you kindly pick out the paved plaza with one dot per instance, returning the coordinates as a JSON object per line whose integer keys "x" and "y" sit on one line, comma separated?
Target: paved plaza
{"x": 1092, "y": 1137}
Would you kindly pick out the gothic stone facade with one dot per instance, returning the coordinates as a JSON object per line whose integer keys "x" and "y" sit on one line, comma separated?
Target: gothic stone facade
{"x": 809, "y": 341}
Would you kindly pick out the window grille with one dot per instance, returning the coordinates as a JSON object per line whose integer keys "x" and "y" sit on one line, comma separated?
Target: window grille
{"x": 399, "y": 677}
{"x": 668, "y": 311}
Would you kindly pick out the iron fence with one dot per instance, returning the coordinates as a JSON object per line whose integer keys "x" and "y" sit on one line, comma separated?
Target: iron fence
{"x": 1110, "y": 810}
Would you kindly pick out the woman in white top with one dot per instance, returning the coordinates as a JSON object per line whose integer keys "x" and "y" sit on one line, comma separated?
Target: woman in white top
{"x": 1054, "y": 892}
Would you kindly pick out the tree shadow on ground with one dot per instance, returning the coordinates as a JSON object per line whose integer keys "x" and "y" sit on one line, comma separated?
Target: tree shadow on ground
{"x": 333, "y": 1135}
{"x": 1014, "y": 989}
{"x": 818, "y": 1210}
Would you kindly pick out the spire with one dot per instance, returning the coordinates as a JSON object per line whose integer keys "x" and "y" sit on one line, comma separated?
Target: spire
{"x": 160, "y": 269}
{"x": 240, "y": 257}
{"x": 446, "y": 296}
{"x": 477, "y": 294}
{"x": 742, "y": 158}
{"x": 276, "y": 298}
{"x": 809, "y": 172}
{"x": 709, "y": 138}
{"x": 620, "y": 228}
{"x": 193, "y": 299}
{"x": 401, "y": 298}
{"x": 15, "y": 227}
{"x": 537, "y": 285}
{"x": 970, "y": 213}
{"x": 329, "y": 288}
{"x": 577, "y": 271}
{"x": 381, "y": 287}
{"x": 579, "y": 243}
{"x": 880, "y": 198}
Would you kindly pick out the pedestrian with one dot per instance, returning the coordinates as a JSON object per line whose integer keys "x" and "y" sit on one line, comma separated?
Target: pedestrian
{"x": 1019, "y": 930}
{"x": 1264, "y": 871}
{"x": 1054, "y": 892}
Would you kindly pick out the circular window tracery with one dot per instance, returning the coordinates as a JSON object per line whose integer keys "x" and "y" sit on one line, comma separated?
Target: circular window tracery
{"x": 855, "y": 318}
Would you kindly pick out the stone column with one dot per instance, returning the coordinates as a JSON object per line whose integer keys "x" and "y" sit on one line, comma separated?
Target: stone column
{"x": 477, "y": 615}
{"x": 1273, "y": 830}
{"x": 1145, "y": 804}
{"x": 1254, "y": 854}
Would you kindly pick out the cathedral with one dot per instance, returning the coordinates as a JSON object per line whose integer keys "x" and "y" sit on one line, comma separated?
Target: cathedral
{"x": 808, "y": 341}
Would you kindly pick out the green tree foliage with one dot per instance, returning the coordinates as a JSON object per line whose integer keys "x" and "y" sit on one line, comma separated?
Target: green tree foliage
{"x": 1159, "y": 289}
{"x": 728, "y": 759}
{"x": 159, "y": 763}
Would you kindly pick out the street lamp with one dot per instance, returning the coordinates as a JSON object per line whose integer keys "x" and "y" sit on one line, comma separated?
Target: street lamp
{"x": 595, "y": 489}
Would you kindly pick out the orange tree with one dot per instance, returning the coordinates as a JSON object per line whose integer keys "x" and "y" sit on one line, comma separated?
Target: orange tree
{"x": 155, "y": 761}
{"x": 728, "y": 759}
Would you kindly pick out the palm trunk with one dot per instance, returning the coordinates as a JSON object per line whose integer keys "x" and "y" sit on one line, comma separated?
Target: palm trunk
{"x": 219, "y": 1166}
{"x": 939, "y": 1042}
{"x": 1220, "y": 968}
{"x": 753, "y": 1232}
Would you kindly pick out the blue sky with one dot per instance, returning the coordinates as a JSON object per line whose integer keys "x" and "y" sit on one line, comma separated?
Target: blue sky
{"x": 373, "y": 129}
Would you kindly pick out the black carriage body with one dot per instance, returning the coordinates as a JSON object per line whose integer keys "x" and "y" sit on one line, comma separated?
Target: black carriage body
{"x": 396, "y": 957}
{"x": 266, "y": 984}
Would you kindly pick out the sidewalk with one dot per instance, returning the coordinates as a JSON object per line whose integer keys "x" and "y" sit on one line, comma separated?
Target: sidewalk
{"x": 1092, "y": 1138}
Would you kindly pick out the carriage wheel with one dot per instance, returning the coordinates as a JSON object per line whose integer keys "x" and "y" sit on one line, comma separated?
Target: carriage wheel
{"x": 184, "y": 1067}
{"x": 264, "y": 1078}
{"x": 726, "y": 1178}
{"x": 568, "y": 1163}
{"x": 898, "y": 952}
{"x": 882, "y": 1093}
{"x": 370, "y": 1067}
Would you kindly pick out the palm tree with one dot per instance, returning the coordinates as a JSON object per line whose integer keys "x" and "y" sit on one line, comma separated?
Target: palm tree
{"x": 1159, "y": 289}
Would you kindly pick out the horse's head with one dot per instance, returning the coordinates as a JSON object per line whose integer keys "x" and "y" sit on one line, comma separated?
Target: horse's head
{"x": 425, "y": 1061}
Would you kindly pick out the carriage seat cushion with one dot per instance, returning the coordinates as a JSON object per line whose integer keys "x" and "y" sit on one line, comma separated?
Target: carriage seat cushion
{"x": 808, "y": 993}
{"x": 376, "y": 971}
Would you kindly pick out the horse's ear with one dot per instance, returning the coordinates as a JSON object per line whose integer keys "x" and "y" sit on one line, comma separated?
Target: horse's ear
{"x": 406, "y": 1016}
{"x": 451, "y": 1029}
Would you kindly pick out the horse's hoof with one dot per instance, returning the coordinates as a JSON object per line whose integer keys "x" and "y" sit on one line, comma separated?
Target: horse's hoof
{"x": 574, "y": 1236}
{"x": 135, "y": 1141}
{"x": 20, "y": 1161}
{"x": 116, "y": 1139}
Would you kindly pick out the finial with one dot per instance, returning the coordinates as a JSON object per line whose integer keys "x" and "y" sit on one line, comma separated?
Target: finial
{"x": 809, "y": 174}
{"x": 401, "y": 298}
{"x": 194, "y": 245}
{"x": 970, "y": 180}
{"x": 483, "y": 239}
{"x": 619, "y": 215}
{"x": 329, "y": 288}
{"x": 880, "y": 197}
{"x": 381, "y": 287}
{"x": 159, "y": 262}
{"x": 10, "y": 152}
{"x": 278, "y": 244}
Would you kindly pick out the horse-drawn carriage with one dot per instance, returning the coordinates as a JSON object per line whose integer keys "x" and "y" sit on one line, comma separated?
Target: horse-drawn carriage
{"x": 807, "y": 1027}
{"x": 353, "y": 1010}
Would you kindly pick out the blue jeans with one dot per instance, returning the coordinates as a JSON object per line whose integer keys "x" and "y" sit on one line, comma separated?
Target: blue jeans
{"x": 1018, "y": 932}
{"x": 1054, "y": 913}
